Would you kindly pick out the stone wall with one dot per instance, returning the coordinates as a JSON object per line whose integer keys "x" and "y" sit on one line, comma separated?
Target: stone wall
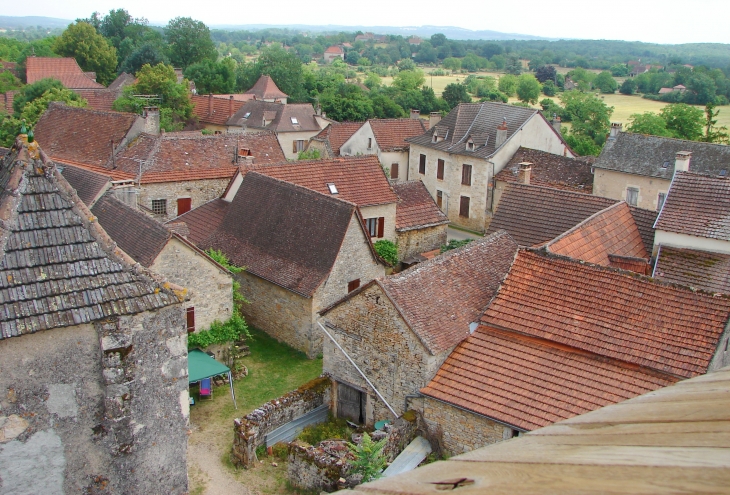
{"x": 210, "y": 286}
{"x": 416, "y": 241}
{"x": 612, "y": 184}
{"x": 459, "y": 431}
{"x": 97, "y": 408}
{"x": 250, "y": 431}
{"x": 200, "y": 191}
{"x": 380, "y": 342}
{"x": 388, "y": 212}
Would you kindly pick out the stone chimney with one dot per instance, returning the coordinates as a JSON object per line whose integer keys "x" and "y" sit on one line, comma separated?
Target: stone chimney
{"x": 415, "y": 114}
{"x": 501, "y": 134}
{"x": 318, "y": 110}
{"x": 681, "y": 162}
{"x": 615, "y": 129}
{"x": 210, "y": 104}
{"x": 556, "y": 123}
{"x": 230, "y": 106}
{"x": 433, "y": 119}
{"x": 151, "y": 120}
{"x": 524, "y": 173}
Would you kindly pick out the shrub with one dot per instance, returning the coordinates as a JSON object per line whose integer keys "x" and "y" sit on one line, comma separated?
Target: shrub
{"x": 454, "y": 244}
{"x": 312, "y": 154}
{"x": 369, "y": 459}
{"x": 387, "y": 250}
{"x": 220, "y": 333}
{"x": 333, "y": 428}
{"x": 549, "y": 88}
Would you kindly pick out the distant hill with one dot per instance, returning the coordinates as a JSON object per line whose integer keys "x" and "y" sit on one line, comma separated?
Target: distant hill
{"x": 10, "y": 22}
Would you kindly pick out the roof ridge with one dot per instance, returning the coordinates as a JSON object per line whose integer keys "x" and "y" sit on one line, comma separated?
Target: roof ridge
{"x": 304, "y": 189}
{"x": 583, "y": 223}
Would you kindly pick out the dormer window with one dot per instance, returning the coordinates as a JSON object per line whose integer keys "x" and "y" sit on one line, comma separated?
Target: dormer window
{"x": 246, "y": 115}
{"x": 723, "y": 172}
{"x": 294, "y": 121}
{"x": 665, "y": 164}
{"x": 332, "y": 188}
{"x": 470, "y": 145}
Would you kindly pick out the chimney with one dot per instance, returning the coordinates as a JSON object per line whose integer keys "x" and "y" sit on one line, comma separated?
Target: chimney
{"x": 681, "y": 163}
{"x": 230, "y": 106}
{"x": 523, "y": 176}
{"x": 151, "y": 120}
{"x": 210, "y": 104}
{"x": 415, "y": 114}
{"x": 615, "y": 129}
{"x": 318, "y": 110}
{"x": 556, "y": 123}
{"x": 501, "y": 134}
{"x": 433, "y": 119}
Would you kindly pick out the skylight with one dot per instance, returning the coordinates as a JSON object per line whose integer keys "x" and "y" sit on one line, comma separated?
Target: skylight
{"x": 246, "y": 115}
{"x": 332, "y": 188}
{"x": 294, "y": 121}
{"x": 723, "y": 172}
{"x": 665, "y": 164}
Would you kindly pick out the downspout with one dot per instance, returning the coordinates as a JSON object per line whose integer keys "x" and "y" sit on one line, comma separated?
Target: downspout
{"x": 395, "y": 415}
{"x": 494, "y": 185}
{"x": 656, "y": 261}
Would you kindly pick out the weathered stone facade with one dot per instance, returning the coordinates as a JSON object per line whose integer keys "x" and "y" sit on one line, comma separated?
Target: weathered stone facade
{"x": 388, "y": 212}
{"x": 416, "y": 241}
{"x": 199, "y": 191}
{"x": 99, "y": 408}
{"x": 380, "y": 342}
{"x": 210, "y": 287}
{"x": 613, "y": 184}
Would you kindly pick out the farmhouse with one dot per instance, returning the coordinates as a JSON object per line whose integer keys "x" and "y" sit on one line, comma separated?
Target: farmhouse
{"x": 329, "y": 141}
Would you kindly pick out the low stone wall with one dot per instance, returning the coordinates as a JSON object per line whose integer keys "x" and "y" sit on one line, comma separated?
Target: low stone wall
{"x": 417, "y": 241}
{"x": 251, "y": 430}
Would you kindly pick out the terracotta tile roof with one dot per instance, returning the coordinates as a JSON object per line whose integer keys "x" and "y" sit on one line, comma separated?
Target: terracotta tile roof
{"x": 439, "y": 298}
{"x": 215, "y": 109}
{"x": 610, "y": 231}
{"x": 698, "y": 269}
{"x": 113, "y": 174}
{"x": 529, "y": 383}
{"x": 266, "y": 89}
{"x": 358, "y": 179}
{"x": 98, "y": 99}
{"x": 336, "y": 134}
{"x": 7, "y": 101}
{"x": 267, "y": 224}
{"x": 391, "y": 134}
{"x": 58, "y": 268}
{"x": 138, "y": 235}
{"x": 81, "y": 134}
{"x": 292, "y": 117}
{"x": 416, "y": 208}
{"x": 697, "y": 205}
{"x": 640, "y": 154}
{"x": 65, "y": 70}
{"x": 610, "y": 312}
{"x": 334, "y": 49}
{"x": 549, "y": 170}
{"x": 88, "y": 185}
{"x": 203, "y": 220}
{"x": 121, "y": 81}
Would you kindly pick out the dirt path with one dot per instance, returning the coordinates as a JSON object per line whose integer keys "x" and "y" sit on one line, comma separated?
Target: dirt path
{"x": 207, "y": 470}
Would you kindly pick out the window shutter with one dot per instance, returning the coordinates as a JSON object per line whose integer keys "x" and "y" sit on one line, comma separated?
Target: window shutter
{"x": 381, "y": 226}
{"x": 440, "y": 170}
{"x": 466, "y": 175}
{"x": 353, "y": 284}
{"x": 464, "y": 207}
{"x": 294, "y": 146}
{"x": 184, "y": 205}
{"x": 422, "y": 164}
{"x": 394, "y": 171}
{"x": 190, "y": 313}
{"x": 440, "y": 199}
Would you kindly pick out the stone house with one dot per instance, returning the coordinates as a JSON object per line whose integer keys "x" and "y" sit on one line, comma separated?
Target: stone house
{"x": 638, "y": 168}
{"x": 385, "y": 138}
{"x": 420, "y": 225}
{"x": 93, "y": 349}
{"x": 294, "y": 124}
{"x": 332, "y": 53}
{"x": 398, "y": 330}
{"x": 302, "y": 250}
{"x": 330, "y": 139}
{"x": 458, "y": 157}
{"x": 527, "y": 365}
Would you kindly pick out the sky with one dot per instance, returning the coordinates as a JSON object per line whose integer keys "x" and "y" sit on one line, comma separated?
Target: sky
{"x": 665, "y": 21}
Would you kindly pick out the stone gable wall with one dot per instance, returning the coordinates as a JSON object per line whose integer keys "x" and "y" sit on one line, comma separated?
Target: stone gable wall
{"x": 200, "y": 191}
{"x": 388, "y": 213}
{"x": 417, "y": 241}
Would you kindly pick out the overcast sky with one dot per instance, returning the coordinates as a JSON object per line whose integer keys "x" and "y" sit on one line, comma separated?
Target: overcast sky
{"x": 665, "y": 21}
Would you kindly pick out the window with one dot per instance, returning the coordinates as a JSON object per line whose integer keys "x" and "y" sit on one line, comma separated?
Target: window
{"x": 294, "y": 121}
{"x": 422, "y": 164}
{"x": 440, "y": 199}
{"x": 370, "y": 143}
{"x": 190, "y": 314}
{"x": 466, "y": 175}
{"x": 394, "y": 171}
{"x": 332, "y": 188}
{"x": 440, "y": 170}
{"x": 660, "y": 201}
{"x": 246, "y": 115}
{"x": 375, "y": 226}
{"x": 298, "y": 145}
{"x": 184, "y": 205}
{"x": 159, "y": 206}
{"x": 353, "y": 284}
{"x": 464, "y": 206}
{"x": 470, "y": 145}
{"x": 632, "y": 195}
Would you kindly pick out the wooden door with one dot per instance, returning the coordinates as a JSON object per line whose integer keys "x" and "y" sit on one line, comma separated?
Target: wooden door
{"x": 184, "y": 205}
{"x": 350, "y": 403}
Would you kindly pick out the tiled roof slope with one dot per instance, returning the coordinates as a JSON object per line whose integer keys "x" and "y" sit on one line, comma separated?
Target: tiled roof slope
{"x": 611, "y": 313}
{"x": 283, "y": 233}
{"x": 98, "y": 99}
{"x": 549, "y": 170}
{"x": 478, "y": 120}
{"x": 89, "y": 185}
{"x": 391, "y": 134}
{"x": 359, "y": 179}
{"x": 336, "y": 134}
{"x": 610, "y": 231}
{"x": 203, "y": 220}
{"x": 58, "y": 268}
{"x": 439, "y": 298}
{"x": 138, "y": 235}
{"x": 698, "y": 269}
{"x": 416, "y": 208}
{"x": 266, "y": 88}
{"x": 64, "y": 69}
{"x": 222, "y": 108}
{"x": 641, "y": 154}
{"x": 81, "y": 134}
{"x": 121, "y": 81}
{"x": 529, "y": 383}
{"x": 697, "y": 205}
{"x": 277, "y": 117}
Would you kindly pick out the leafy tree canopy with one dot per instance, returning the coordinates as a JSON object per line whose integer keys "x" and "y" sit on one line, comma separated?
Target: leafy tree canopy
{"x": 545, "y": 73}
{"x": 508, "y": 84}
{"x": 456, "y": 93}
{"x": 684, "y": 121}
{"x": 189, "y": 42}
{"x": 649, "y": 123}
{"x": 90, "y": 49}
{"x": 213, "y": 77}
{"x": 605, "y": 82}
{"x": 528, "y": 88}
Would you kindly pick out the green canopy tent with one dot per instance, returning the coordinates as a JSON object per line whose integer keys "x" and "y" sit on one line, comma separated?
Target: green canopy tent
{"x": 201, "y": 365}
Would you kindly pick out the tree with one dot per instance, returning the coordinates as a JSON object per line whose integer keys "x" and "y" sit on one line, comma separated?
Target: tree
{"x": 619, "y": 70}
{"x": 591, "y": 120}
{"x": 628, "y": 87}
{"x": 8, "y": 82}
{"x": 514, "y": 66}
{"x": 649, "y": 123}
{"x": 213, "y": 77}
{"x": 455, "y": 93}
{"x": 147, "y": 53}
{"x": 33, "y": 91}
{"x": 407, "y": 80}
{"x": 714, "y": 134}
{"x": 508, "y": 84}
{"x": 189, "y": 42}
{"x": 346, "y": 103}
{"x": 528, "y": 89}
{"x": 605, "y": 82}
{"x": 491, "y": 49}
{"x": 452, "y": 64}
{"x": 684, "y": 121}
{"x": 90, "y": 49}
{"x": 545, "y": 73}
{"x": 285, "y": 69}
{"x": 372, "y": 80}
{"x": 549, "y": 88}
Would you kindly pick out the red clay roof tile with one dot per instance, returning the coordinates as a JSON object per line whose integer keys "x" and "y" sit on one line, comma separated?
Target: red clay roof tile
{"x": 549, "y": 170}
{"x": 416, "y": 208}
{"x": 88, "y": 184}
{"x": 266, "y": 89}
{"x": 337, "y": 133}
{"x": 203, "y": 220}
{"x": 391, "y": 134}
{"x": 693, "y": 268}
{"x": 64, "y": 69}
{"x": 215, "y": 109}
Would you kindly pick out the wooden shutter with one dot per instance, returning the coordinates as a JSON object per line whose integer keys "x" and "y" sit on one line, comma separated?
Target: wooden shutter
{"x": 353, "y": 284}
{"x": 184, "y": 205}
{"x": 381, "y": 226}
{"x": 464, "y": 206}
{"x": 422, "y": 164}
{"x": 440, "y": 199}
{"x": 394, "y": 171}
{"x": 190, "y": 313}
{"x": 466, "y": 175}
{"x": 294, "y": 146}
{"x": 440, "y": 170}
